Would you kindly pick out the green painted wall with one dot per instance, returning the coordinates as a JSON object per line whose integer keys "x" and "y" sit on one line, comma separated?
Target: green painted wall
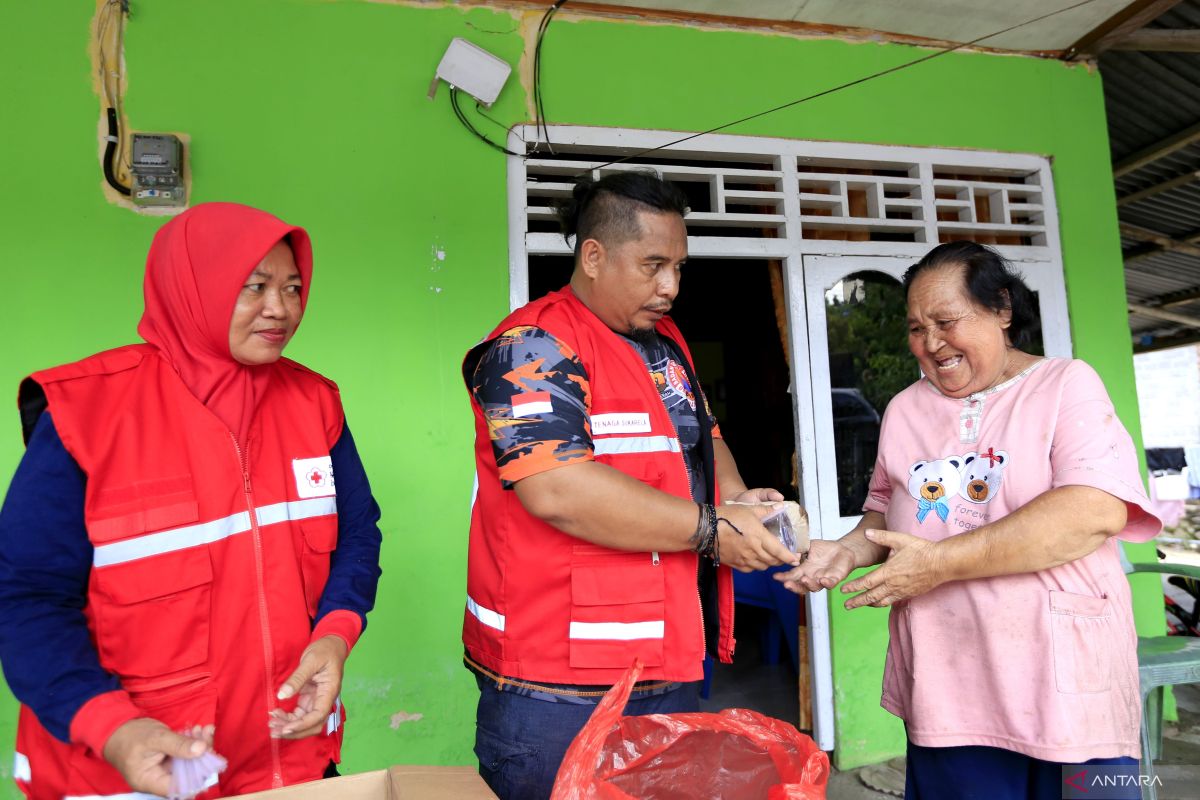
{"x": 317, "y": 111}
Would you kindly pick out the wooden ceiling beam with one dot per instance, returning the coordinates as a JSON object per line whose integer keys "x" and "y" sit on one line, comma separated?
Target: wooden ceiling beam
{"x": 584, "y": 8}
{"x": 1161, "y": 40}
{"x": 1118, "y": 27}
{"x": 1165, "y": 301}
{"x": 1146, "y": 235}
{"x": 1160, "y": 149}
{"x": 1142, "y": 252}
{"x": 1158, "y": 188}
{"x": 1157, "y": 242}
{"x": 1169, "y": 316}
{"x": 674, "y": 17}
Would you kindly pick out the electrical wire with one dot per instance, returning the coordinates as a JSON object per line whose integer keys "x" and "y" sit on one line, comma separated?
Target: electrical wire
{"x": 122, "y": 154}
{"x": 103, "y": 23}
{"x": 508, "y": 129}
{"x": 458, "y": 112}
{"x": 825, "y": 92}
{"x": 112, "y": 17}
{"x": 539, "y": 103}
{"x": 109, "y": 149}
{"x": 108, "y": 72}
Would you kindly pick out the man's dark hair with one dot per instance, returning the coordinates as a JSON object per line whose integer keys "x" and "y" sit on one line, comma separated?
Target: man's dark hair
{"x": 606, "y": 210}
{"x": 990, "y": 281}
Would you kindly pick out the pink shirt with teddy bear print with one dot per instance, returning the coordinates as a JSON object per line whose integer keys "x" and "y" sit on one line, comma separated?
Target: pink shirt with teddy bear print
{"x": 1041, "y": 663}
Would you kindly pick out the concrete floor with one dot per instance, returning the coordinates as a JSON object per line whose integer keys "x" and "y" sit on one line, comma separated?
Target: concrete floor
{"x": 771, "y": 689}
{"x": 1179, "y": 767}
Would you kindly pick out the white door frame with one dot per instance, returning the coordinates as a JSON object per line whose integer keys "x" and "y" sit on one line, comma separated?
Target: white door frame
{"x": 820, "y": 274}
{"x": 1021, "y": 192}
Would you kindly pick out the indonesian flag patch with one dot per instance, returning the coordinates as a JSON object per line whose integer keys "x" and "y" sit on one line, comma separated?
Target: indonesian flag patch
{"x": 530, "y": 403}
{"x": 314, "y": 476}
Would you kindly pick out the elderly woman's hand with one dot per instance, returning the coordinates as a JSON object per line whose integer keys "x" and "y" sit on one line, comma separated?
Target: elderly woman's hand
{"x": 826, "y": 564}
{"x": 914, "y": 567}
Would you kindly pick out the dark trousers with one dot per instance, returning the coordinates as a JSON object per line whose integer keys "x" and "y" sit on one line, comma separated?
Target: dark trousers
{"x": 990, "y": 773}
{"x": 520, "y": 741}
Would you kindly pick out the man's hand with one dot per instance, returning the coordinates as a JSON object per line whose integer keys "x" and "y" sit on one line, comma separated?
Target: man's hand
{"x": 744, "y": 544}
{"x": 317, "y": 681}
{"x": 914, "y": 567}
{"x": 141, "y": 750}
{"x": 826, "y": 565}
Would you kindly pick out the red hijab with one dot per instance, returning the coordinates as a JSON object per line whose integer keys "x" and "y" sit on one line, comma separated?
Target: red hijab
{"x": 197, "y": 265}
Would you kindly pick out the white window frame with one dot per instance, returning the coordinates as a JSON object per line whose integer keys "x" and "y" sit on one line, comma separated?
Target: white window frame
{"x": 1040, "y": 263}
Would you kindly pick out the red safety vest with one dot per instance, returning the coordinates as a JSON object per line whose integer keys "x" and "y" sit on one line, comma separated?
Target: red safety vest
{"x": 543, "y": 605}
{"x": 210, "y": 557}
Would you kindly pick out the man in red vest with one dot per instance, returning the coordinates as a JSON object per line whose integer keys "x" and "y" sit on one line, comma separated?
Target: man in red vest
{"x": 601, "y": 474}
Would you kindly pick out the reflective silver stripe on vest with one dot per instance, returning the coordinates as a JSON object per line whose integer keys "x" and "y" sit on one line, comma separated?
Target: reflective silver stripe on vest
{"x": 126, "y": 796}
{"x": 485, "y": 615}
{"x": 156, "y": 544}
{"x": 21, "y": 771}
{"x": 652, "y": 629}
{"x": 296, "y": 509}
{"x": 614, "y": 445}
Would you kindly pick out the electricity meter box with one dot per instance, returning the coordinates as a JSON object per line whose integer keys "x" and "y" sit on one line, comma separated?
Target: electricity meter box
{"x": 157, "y": 170}
{"x": 469, "y": 67}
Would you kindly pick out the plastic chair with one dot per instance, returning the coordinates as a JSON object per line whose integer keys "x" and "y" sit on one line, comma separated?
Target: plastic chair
{"x": 760, "y": 589}
{"x": 1162, "y": 661}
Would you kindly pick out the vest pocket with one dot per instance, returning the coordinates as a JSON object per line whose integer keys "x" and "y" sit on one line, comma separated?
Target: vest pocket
{"x": 319, "y": 536}
{"x": 132, "y": 601}
{"x": 179, "y": 707}
{"x": 1081, "y": 628}
{"x": 118, "y": 512}
{"x": 618, "y": 609}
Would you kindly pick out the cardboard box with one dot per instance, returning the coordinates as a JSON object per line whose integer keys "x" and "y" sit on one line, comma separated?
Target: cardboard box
{"x": 397, "y": 783}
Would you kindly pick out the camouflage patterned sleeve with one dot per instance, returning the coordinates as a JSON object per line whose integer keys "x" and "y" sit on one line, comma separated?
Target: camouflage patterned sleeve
{"x": 535, "y": 396}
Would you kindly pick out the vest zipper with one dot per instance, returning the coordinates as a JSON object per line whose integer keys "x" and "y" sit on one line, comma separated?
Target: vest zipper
{"x": 654, "y": 559}
{"x": 264, "y": 620}
{"x": 691, "y": 495}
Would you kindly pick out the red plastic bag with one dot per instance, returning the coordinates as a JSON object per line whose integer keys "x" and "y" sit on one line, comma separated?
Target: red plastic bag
{"x": 736, "y": 753}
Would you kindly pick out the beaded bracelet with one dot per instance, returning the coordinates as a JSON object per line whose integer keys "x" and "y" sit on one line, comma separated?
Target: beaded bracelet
{"x": 703, "y": 540}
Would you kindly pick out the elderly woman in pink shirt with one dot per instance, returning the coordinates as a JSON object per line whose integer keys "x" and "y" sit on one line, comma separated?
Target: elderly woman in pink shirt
{"x": 1002, "y": 484}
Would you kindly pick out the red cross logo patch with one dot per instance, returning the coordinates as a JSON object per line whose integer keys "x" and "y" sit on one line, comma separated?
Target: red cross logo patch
{"x": 314, "y": 477}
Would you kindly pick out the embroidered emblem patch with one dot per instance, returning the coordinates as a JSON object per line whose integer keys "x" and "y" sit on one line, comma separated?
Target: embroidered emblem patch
{"x": 314, "y": 477}
{"x": 678, "y": 381}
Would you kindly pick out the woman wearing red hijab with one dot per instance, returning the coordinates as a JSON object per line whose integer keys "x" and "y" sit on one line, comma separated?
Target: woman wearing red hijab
{"x": 173, "y": 550}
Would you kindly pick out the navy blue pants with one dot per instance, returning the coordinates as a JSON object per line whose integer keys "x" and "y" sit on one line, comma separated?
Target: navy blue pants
{"x": 520, "y": 740}
{"x": 989, "y": 773}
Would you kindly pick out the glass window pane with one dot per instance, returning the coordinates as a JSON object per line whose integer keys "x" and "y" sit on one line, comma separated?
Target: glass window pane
{"x": 869, "y": 363}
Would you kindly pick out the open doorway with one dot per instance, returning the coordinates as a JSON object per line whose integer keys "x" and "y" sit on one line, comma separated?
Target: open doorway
{"x": 732, "y": 315}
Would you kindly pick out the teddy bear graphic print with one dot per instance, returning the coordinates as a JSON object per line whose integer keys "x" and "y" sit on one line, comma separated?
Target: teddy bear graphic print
{"x": 958, "y": 482}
